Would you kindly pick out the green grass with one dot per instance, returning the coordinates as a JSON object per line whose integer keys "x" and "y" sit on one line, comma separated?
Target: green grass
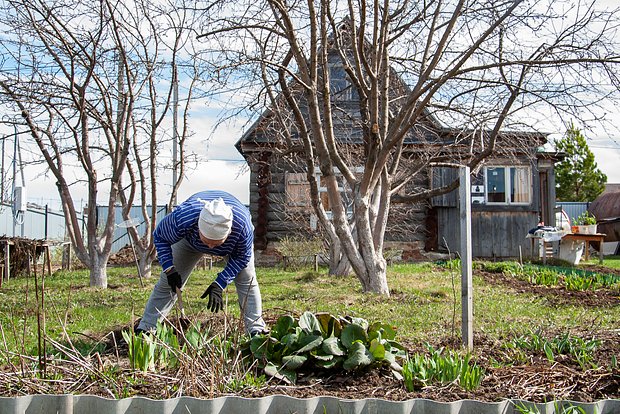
{"x": 424, "y": 304}
{"x": 609, "y": 261}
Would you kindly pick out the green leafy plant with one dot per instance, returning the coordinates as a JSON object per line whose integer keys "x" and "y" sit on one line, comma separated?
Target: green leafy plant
{"x": 161, "y": 348}
{"x": 578, "y": 282}
{"x": 606, "y": 281}
{"x": 323, "y": 341}
{"x": 141, "y": 350}
{"x": 248, "y": 381}
{"x": 442, "y": 368}
{"x": 585, "y": 219}
{"x": 166, "y": 351}
{"x": 545, "y": 277}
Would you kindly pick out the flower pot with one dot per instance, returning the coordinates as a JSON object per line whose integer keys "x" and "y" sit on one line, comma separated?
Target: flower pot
{"x": 574, "y": 229}
{"x": 591, "y": 228}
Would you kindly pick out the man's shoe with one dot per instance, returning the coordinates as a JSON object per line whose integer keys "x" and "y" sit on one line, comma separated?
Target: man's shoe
{"x": 139, "y": 331}
{"x": 259, "y": 332}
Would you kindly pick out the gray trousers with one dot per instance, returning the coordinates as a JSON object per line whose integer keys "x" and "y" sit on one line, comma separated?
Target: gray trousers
{"x": 185, "y": 258}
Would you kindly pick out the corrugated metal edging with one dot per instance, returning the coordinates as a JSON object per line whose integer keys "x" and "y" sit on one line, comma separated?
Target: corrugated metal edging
{"x": 89, "y": 404}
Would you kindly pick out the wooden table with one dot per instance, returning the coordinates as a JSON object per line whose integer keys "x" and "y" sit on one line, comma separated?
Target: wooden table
{"x": 587, "y": 238}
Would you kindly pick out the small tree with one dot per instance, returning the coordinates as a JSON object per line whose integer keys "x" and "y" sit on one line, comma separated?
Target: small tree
{"x": 93, "y": 86}
{"x": 577, "y": 176}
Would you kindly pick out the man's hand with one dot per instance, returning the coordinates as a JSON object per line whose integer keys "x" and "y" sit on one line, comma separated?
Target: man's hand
{"x": 214, "y": 292}
{"x": 174, "y": 280}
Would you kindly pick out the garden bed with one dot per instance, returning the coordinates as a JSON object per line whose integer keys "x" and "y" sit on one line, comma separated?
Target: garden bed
{"x": 510, "y": 372}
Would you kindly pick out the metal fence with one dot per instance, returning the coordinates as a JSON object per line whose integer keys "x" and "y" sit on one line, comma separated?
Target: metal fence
{"x": 36, "y": 223}
{"x": 574, "y": 209}
{"x": 41, "y": 223}
{"x": 120, "y": 237}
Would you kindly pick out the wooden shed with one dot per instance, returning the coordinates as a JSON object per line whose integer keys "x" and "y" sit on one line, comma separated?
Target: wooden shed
{"x": 509, "y": 197}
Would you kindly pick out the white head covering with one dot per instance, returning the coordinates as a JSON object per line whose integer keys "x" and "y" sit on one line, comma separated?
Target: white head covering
{"x": 215, "y": 219}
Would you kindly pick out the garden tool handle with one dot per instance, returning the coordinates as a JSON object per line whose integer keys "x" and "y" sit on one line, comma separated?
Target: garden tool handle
{"x": 180, "y": 302}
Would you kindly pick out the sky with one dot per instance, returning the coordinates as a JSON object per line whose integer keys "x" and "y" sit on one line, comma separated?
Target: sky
{"x": 225, "y": 169}
{"x": 222, "y": 167}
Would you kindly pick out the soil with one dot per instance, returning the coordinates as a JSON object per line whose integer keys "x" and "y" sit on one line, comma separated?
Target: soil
{"x": 536, "y": 379}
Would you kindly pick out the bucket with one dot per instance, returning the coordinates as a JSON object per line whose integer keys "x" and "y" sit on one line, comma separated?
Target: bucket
{"x": 571, "y": 251}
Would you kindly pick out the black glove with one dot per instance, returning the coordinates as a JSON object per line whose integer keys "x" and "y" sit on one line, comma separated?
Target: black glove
{"x": 174, "y": 280}
{"x": 214, "y": 292}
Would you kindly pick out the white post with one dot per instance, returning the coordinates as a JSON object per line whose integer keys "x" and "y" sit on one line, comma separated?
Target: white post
{"x": 467, "y": 292}
{"x": 175, "y": 133}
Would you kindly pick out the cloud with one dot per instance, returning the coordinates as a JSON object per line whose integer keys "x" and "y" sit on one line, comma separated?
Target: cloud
{"x": 607, "y": 160}
{"x": 218, "y": 175}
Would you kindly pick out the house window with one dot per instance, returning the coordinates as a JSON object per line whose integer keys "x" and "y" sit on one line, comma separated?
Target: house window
{"x": 508, "y": 185}
{"x": 340, "y": 87}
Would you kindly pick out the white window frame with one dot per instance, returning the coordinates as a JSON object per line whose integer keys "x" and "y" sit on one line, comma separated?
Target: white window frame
{"x": 323, "y": 189}
{"x": 508, "y": 185}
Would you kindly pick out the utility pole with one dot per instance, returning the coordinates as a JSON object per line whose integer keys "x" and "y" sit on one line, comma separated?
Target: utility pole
{"x": 2, "y": 174}
{"x": 20, "y": 203}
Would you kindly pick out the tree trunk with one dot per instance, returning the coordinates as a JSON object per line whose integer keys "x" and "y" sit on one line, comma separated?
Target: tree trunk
{"x": 338, "y": 263}
{"x": 98, "y": 271}
{"x": 377, "y": 276}
{"x": 343, "y": 268}
{"x": 144, "y": 267}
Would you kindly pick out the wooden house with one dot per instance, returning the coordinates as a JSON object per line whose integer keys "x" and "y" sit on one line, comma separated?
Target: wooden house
{"x": 510, "y": 194}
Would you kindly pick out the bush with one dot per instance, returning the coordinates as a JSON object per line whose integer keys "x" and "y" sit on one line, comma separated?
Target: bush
{"x": 298, "y": 252}
{"x": 325, "y": 342}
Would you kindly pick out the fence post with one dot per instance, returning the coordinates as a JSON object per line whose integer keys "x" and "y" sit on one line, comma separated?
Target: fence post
{"x": 66, "y": 256}
{"x": 467, "y": 332}
{"x": 46, "y": 221}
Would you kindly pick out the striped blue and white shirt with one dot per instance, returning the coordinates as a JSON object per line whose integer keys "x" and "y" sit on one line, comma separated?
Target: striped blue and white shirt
{"x": 182, "y": 222}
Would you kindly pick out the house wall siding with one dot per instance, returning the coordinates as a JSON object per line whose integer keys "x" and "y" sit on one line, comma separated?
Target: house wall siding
{"x": 497, "y": 234}
{"x": 405, "y": 224}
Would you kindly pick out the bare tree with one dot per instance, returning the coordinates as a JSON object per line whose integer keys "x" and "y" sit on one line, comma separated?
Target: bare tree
{"x": 84, "y": 78}
{"x": 165, "y": 38}
{"x": 478, "y": 69}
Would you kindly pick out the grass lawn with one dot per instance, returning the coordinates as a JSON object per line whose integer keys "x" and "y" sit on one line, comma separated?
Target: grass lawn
{"x": 424, "y": 303}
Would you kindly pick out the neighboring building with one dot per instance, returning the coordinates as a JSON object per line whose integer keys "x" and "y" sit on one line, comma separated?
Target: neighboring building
{"x": 511, "y": 193}
{"x": 612, "y": 188}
